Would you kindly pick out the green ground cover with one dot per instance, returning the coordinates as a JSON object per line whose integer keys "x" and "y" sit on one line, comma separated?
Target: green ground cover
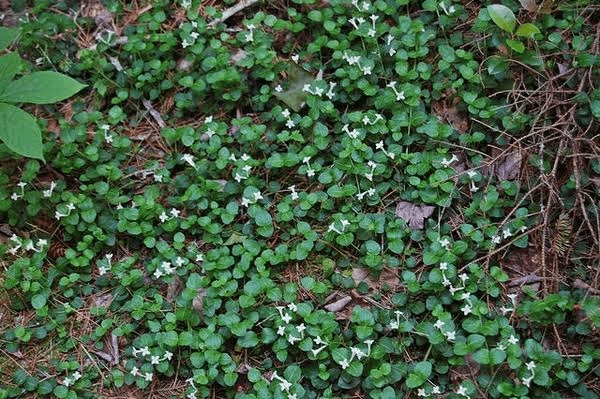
{"x": 306, "y": 199}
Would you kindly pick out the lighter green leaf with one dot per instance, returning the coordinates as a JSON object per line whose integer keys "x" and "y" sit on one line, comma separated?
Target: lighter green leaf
{"x": 7, "y": 36}
{"x": 503, "y": 17}
{"x": 516, "y": 45}
{"x": 9, "y": 65}
{"x": 43, "y": 87}
{"x": 527, "y": 30}
{"x": 20, "y": 132}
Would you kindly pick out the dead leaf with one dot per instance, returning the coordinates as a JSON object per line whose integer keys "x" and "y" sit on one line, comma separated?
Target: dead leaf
{"x": 387, "y": 278}
{"x": 529, "y": 5}
{"x": 509, "y": 168}
{"x": 413, "y": 215}
{"x": 295, "y": 96}
{"x": 339, "y": 304}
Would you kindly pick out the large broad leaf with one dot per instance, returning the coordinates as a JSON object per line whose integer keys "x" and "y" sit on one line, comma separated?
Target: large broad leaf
{"x": 44, "y": 87}
{"x": 20, "y": 132}
{"x": 9, "y": 65}
{"x": 7, "y": 36}
{"x": 503, "y": 17}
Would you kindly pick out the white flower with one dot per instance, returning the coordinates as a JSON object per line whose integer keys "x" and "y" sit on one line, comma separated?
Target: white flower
{"x": 506, "y": 233}
{"x": 257, "y": 196}
{"x": 513, "y": 298}
{"x": 175, "y": 212}
{"x": 530, "y": 366}
{"x": 448, "y": 162}
{"x": 154, "y": 360}
{"x": 319, "y": 341}
{"x": 445, "y": 243}
{"x": 189, "y": 158}
{"x": 505, "y": 310}
{"x": 462, "y": 391}
{"x": 285, "y": 113}
{"x": 290, "y": 124}
{"x": 463, "y": 277}
{"x": 292, "y": 340}
{"x": 145, "y": 351}
{"x": 199, "y": 258}
{"x": 301, "y": 329}
{"x": 513, "y": 340}
{"x": 357, "y": 352}
{"x": 67, "y": 381}
{"x": 473, "y": 187}
{"x": 245, "y": 202}
{"x": 185, "y": 43}
{"x": 394, "y": 325}
{"x": 15, "y": 197}
{"x": 286, "y": 318}
{"x": 467, "y": 309}
{"x": 450, "y": 335}
{"x": 344, "y": 363}
{"x": 102, "y": 270}
{"x": 371, "y": 192}
{"x": 319, "y": 91}
{"x": 148, "y": 376}
{"x": 443, "y": 266}
{"x": 194, "y": 35}
{"x": 278, "y": 89}
{"x": 245, "y": 157}
{"x": 281, "y": 330}
{"x": 439, "y": 324}
{"x": 421, "y": 392}
{"x": 310, "y": 172}
{"x": 435, "y": 390}
{"x": 179, "y": 261}
{"x": 168, "y": 355}
{"x": 285, "y": 385}
{"x": 163, "y": 217}
{"x": 527, "y": 381}
{"x": 465, "y": 296}
{"x": 496, "y": 240}
{"x": 70, "y": 206}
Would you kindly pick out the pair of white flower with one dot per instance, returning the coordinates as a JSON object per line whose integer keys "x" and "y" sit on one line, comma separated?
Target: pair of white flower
{"x": 58, "y": 215}
{"x": 41, "y": 243}
{"x": 173, "y": 213}
{"x": 136, "y": 373}
{"x": 310, "y": 172}
{"x": 246, "y": 202}
{"x": 450, "y": 335}
{"x": 399, "y": 94}
{"x": 344, "y": 223}
{"x": 358, "y": 353}
{"x": 68, "y": 381}
{"x": 434, "y": 391}
{"x": 352, "y": 133}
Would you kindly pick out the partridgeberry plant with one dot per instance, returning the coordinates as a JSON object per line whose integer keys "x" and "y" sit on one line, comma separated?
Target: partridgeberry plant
{"x": 300, "y": 200}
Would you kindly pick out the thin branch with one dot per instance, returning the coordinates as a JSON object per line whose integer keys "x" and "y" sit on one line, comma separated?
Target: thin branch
{"x": 232, "y": 10}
